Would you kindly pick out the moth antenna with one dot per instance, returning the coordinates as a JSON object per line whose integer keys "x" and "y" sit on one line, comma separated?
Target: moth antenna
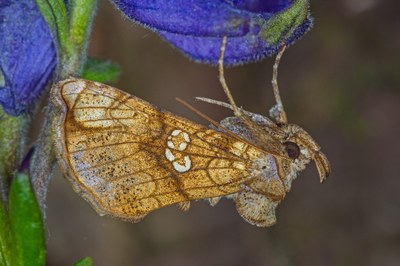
{"x": 215, "y": 123}
{"x": 238, "y": 112}
{"x": 204, "y": 116}
{"x": 235, "y": 108}
{"x": 278, "y": 112}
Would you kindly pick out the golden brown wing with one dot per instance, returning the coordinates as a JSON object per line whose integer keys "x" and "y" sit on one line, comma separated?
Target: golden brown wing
{"x": 127, "y": 157}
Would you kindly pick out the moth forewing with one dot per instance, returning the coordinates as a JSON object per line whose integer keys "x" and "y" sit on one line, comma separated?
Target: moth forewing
{"x": 127, "y": 157}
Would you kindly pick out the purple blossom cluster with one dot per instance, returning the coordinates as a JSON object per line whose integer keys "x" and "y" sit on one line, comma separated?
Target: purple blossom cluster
{"x": 28, "y": 53}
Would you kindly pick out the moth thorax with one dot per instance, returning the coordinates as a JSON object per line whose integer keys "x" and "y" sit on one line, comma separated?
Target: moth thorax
{"x": 237, "y": 126}
{"x": 265, "y": 166}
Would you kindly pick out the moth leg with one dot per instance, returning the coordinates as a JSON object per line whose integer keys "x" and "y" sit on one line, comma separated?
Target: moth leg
{"x": 277, "y": 112}
{"x": 135, "y": 219}
{"x": 225, "y": 105}
{"x": 211, "y": 101}
{"x": 213, "y": 201}
{"x": 235, "y": 108}
{"x": 272, "y": 188}
{"x": 256, "y": 208}
{"x": 184, "y": 205}
{"x": 238, "y": 112}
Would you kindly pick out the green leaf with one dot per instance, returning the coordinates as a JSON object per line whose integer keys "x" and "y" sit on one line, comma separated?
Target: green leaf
{"x": 5, "y": 238}
{"x": 26, "y": 224}
{"x": 282, "y": 25}
{"x": 100, "y": 70}
{"x": 84, "y": 262}
{"x": 80, "y": 20}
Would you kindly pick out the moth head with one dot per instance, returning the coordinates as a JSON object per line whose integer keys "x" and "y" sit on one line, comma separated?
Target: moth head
{"x": 301, "y": 148}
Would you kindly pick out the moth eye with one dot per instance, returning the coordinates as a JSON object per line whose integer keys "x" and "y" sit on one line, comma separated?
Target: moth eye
{"x": 292, "y": 150}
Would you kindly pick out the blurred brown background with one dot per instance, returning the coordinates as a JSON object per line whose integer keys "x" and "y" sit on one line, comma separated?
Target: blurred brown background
{"x": 341, "y": 83}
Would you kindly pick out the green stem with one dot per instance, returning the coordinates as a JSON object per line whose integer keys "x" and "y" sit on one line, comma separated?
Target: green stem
{"x": 12, "y": 135}
{"x": 42, "y": 162}
{"x": 5, "y": 238}
{"x": 81, "y": 16}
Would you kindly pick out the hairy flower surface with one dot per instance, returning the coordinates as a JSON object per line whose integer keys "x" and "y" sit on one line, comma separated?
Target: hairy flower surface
{"x": 27, "y": 55}
{"x": 255, "y": 28}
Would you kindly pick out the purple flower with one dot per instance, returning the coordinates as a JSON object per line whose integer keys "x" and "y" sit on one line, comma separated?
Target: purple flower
{"x": 27, "y": 55}
{"x": 255, "y": 28}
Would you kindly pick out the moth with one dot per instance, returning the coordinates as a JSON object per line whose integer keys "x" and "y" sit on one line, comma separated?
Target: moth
{"x": 127, "y": 157}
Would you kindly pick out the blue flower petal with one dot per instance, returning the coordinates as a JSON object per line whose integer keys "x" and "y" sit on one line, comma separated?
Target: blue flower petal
{"x": 240, "y": 50}
{"x": 272, "y": 6}
{"x": 27, "y": 55}
{"x": 196, "y": 27}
